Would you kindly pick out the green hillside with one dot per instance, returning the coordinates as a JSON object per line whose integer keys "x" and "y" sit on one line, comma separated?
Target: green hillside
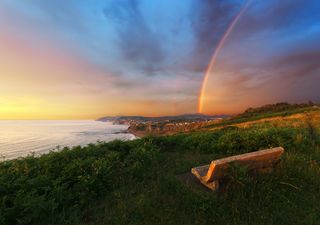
{"x": 138, "y": 182}
{"x": 268, "y": 111}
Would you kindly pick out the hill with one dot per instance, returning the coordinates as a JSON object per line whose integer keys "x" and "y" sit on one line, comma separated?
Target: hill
{"x": 267, "y": 111}
{"x": 169, "y": 127}
{"x": 141, "y": 119}
{"x": 139, "y": 182}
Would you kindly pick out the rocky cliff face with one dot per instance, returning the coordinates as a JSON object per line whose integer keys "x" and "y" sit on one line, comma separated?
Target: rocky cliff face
{"x": 144, "y": 129}
{"x": 162, "y": 119}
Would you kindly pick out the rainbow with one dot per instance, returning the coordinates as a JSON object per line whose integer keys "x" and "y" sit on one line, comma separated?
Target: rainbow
{"x": 216, "y": 53}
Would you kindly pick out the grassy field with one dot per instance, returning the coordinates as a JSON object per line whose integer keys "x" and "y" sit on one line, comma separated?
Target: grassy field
{"x": 137, "y": 182}
{"x": 244, "y": 118}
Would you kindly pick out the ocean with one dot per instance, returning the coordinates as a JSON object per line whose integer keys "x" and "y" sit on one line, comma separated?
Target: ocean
{"x": 19, "y": 138}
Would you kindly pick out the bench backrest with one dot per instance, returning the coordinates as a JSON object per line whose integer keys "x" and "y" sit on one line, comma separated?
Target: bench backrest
{"x": 253, "y": 160}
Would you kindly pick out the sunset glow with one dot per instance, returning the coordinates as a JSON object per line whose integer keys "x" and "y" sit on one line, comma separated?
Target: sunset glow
{"x": 84, "y": 60}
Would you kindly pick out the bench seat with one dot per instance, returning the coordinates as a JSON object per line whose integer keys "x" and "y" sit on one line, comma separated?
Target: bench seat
{"x": 259, "y": 161}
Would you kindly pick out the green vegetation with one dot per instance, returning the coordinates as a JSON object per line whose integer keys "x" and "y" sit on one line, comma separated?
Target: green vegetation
{"x": 137, "y": 182}
{"x": 267, "y": 111}
{"x": 278, "y": 107}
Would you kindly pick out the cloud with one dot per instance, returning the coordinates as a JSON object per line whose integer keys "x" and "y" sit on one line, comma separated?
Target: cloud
{"x": 158, "y": 50}
{"x": 209, "y": 20}
{"x": 269, "y": 19}
{"x": 298, "y": 64}
{"x": 278, "y": 16}
{"x": 138, "y": 43}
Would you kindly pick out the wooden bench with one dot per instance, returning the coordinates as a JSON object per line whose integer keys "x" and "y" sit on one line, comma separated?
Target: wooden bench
{"x": 259, "y": 161}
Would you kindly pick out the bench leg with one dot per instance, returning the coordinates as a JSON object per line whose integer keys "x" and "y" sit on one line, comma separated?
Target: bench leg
{"x": 214, "y": 185}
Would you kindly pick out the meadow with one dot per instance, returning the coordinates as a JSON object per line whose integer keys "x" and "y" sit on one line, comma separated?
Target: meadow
{"x": 137, "y": 182}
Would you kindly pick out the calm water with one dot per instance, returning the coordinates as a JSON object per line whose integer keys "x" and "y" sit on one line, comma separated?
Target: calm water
{"x": 20, "y": 138}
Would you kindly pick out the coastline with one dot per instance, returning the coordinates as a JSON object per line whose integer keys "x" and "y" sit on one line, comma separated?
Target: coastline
{"x": 25, "y": 138}
{"x": 168, "y": 128}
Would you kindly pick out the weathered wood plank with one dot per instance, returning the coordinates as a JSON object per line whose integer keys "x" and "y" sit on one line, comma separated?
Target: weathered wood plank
{"x": 252, "y": 160}
{"x": 260, "y": 161}
{"x": 200, "y": 171}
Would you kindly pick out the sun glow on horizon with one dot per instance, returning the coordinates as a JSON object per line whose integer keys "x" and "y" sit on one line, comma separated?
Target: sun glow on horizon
{"x": 88, "y": 59}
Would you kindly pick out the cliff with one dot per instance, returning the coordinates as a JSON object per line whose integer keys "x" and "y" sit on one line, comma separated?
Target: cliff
{"x": 145, "y": 129}
{"x": 197, "y": 117}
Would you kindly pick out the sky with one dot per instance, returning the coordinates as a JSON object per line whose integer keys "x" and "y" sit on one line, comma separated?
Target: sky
{"x": 85, "y": 59}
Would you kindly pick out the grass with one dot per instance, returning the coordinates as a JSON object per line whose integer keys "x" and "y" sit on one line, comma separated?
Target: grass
{"x": 135, "y": 182}
{"x": 258, "y": 116}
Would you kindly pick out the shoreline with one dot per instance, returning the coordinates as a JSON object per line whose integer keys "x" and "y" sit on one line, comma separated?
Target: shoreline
{"x": 40, "y": 137}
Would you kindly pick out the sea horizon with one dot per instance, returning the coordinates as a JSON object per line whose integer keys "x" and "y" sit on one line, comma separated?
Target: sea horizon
{"x": 19, "y": 138}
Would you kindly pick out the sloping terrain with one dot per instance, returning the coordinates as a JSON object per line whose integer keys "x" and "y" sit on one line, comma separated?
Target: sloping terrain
{"x": 139, "y": 182}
